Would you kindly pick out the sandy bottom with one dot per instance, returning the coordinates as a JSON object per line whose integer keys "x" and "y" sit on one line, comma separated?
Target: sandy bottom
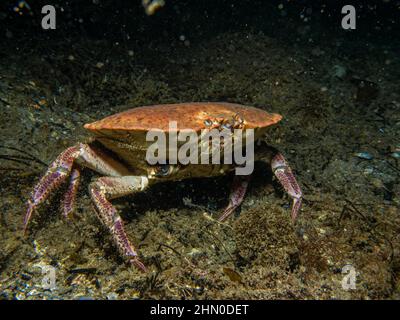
{"x": 340, "y": 102}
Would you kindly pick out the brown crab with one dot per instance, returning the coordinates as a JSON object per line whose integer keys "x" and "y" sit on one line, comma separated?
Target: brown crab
{"x": 118, "y": 151}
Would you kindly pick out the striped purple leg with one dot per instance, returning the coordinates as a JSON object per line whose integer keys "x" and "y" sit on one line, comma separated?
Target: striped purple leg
{"x": 57, "y": 173}
{"x": 106, "y": 188}
{"x": 238, "y": 191}
{"x": 68, "y": 204}
{"x": 65, "y": 166}
{"x": 285, "y": 176}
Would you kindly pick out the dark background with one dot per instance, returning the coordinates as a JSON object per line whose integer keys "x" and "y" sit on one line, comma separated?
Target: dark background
{"x": 126, "y": 19}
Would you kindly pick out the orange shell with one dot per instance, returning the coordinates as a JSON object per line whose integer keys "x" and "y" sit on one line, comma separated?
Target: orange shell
{"x": 190, "y": 115}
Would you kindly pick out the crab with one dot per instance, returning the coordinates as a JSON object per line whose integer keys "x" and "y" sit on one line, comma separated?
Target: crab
{"x": 118, "y": 148}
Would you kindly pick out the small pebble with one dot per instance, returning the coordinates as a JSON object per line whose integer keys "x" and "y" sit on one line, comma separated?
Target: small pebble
{"x": 339, "y": 71}
{"x": 364, "y": 155}
{"x": 112, "y": 296}
{"x": 195, "y": 253}
{"x": 368, "y": 170}
{"x": 395, "y": 155}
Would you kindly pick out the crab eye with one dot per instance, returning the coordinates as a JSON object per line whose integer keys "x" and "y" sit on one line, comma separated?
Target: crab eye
{"x": 237, "y": 118}
{"x": 208, "y": 122}
{"x": 163, "y": 170}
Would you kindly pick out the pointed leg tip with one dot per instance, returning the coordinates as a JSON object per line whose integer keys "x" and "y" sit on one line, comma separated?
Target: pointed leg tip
{"x": 221, "y": 218}
{"x": 27, "y": 217}
{"x": 227, "y": 212}
{"x": 69, "y": 215}
{"x": 24, "y": 230}
{"x": 296, "y": 208}
{"x": 138, "y": 264}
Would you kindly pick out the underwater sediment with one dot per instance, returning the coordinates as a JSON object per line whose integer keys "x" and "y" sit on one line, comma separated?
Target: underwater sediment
{"x": 339, "y": 98}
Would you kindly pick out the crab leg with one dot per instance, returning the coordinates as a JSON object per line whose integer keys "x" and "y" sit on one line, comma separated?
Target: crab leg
{"x": 60, "y": 170}
{"x": 281, "y": 170}
{"x": 283, "y": 173}
{"x": 56, "y": 174}
{"x": 285, "y": 176}
{"x": 106, "y": 188}
{"x": 70, "y": 196}
{"x": 238, "y": 191}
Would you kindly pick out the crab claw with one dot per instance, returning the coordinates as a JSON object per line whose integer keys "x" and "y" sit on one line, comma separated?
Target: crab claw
{"x": 285, "y": 176}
